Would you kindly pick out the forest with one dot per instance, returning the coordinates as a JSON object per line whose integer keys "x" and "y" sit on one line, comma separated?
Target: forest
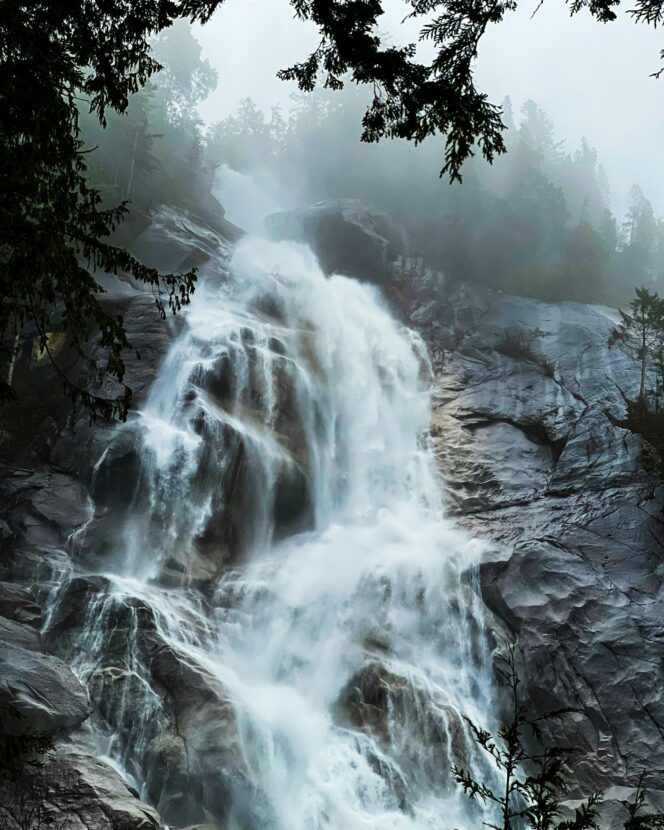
{"x": 536, "y": 222}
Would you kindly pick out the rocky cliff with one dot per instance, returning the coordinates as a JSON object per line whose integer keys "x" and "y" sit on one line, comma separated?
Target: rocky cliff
{"x": 526, "y": 410}
{"x": 527, "y": 406}
{"x": 55, "y": 512}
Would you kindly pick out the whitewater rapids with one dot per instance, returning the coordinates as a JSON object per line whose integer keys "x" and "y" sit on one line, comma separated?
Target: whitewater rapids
{"x": 285, "y": 460}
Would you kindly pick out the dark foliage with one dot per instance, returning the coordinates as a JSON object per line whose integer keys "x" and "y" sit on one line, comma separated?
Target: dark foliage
{"x": 52, "y": 223}
{"x": 519, "y": 344}
{"x": 153, "y": 153}
{"x": 640, "y": 334}
{"x": 648, "y": 422}
{"x": 637, "y": 816}
{"x": 413, "y": 100}
{"x": 535, "y": 781}
{"x": 18, "y": 751}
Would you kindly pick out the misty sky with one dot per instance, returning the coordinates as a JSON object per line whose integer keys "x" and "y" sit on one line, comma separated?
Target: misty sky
{"x": 592, "y": 79}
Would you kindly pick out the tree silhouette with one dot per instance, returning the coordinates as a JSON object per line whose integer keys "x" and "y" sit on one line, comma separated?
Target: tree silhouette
{"x": 53, "y": 227}
{"x": 640, "y": 333}
{"x": 637, "y": 816}
{"x": 534, "y": 780}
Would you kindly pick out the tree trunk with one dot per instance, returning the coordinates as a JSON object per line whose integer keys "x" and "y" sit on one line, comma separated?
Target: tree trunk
{"x": 12, "y": 363}
{"x": 133, "y": 164}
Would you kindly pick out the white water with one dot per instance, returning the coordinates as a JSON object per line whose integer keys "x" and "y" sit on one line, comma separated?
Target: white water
{"x": 308, "y": 387}
{"x": 245, "y": 201}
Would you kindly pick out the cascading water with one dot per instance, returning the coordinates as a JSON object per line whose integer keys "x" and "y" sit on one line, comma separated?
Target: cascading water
{"x": 287, "y": 545}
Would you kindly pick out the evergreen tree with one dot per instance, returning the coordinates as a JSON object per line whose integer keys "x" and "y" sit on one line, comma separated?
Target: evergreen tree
{"x": 638, "y": 818}
{"x": 639, "y": 240}
{"x": 534, "y": 782}
{"x": 55, "y": 225}
{"x": 247, "y": 140}
{"x": 640, "y": 334}
{"x": 583, "y": 182}
{"x": 54, "y": 228}
{"x": 186, "y": 79}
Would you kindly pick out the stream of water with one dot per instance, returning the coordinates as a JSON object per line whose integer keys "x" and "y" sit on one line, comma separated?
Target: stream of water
{"x": 288, "y": 541}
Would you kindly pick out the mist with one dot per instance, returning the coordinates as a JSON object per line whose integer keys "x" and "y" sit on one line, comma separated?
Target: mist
{"x": 593, "y": 80}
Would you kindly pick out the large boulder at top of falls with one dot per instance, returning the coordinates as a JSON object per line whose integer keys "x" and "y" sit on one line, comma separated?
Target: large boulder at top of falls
{"x": 176, "y": 240}
{"x": 347, "y": 235}
{"x": 527, "y": 407}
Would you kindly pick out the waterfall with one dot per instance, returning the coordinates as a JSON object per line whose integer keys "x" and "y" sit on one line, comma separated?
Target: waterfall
{"x": 285, "y": 589}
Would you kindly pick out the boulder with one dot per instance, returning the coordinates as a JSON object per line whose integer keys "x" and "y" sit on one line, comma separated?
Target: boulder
{"x": 176, "y": 240}
{"x": 38, "y": 693}
{"x": 348, "y": 236}
{"x": 365, "y": 699}
{"x": 18, "y": 634}
{"x": 17, "y": 603}
{"x": 174, "y": 721}
{"x": 90, "y": 613}
{"x": 195, "y": 758}
{"x": 73, "y": 792}
{"x": 42, "y": 510}
{"x": 407, "y": 722}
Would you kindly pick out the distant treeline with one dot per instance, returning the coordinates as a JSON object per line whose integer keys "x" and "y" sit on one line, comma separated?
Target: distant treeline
{"x": 537, "y": 222}
{"x": 155, "y": 153}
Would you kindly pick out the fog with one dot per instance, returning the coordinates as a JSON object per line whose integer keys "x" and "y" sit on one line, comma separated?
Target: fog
{"x": 553, "y": 218}
{"x": 593, "y": 80}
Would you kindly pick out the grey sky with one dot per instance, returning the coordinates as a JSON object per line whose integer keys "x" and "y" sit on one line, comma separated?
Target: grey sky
{"x": 593, "y": 80}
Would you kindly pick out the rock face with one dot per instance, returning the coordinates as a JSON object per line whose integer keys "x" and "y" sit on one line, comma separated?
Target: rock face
{"x": 55, "y": 515}
{"x": 83, "y": 793}
{"x": 525, "y": 408}
{"x": 39, "y": 695}
{"x": 526, "y": 404}
{"x": 41, "y": 689}
{"x": 176, "y": 241}
{"x": 348, "y": 236}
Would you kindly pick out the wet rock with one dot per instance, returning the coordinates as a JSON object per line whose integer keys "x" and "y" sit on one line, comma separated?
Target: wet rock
{"x": 41, "y": 689}
{"x": 174, "y": 719}
{"x": 176, "y": 240}
{"x": 348, "y": 236}
{"x": 405, "y": 718}
{"x": 215, "y": 405}
{"x": 19, "y": 634}
{"x": 73, "y": 792}
{"x": 366, "y": 697}
{"x": 18, "y": 604}
{"x": 524, "y": 423}
{"x": 117, "y": 477}
{"x": 90, "y": 607}
{"x": 293, "y": 511}
{"x": 42, "y": 510}
{"x": 121, "y": 696}
{"x": 196, "y": 755}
